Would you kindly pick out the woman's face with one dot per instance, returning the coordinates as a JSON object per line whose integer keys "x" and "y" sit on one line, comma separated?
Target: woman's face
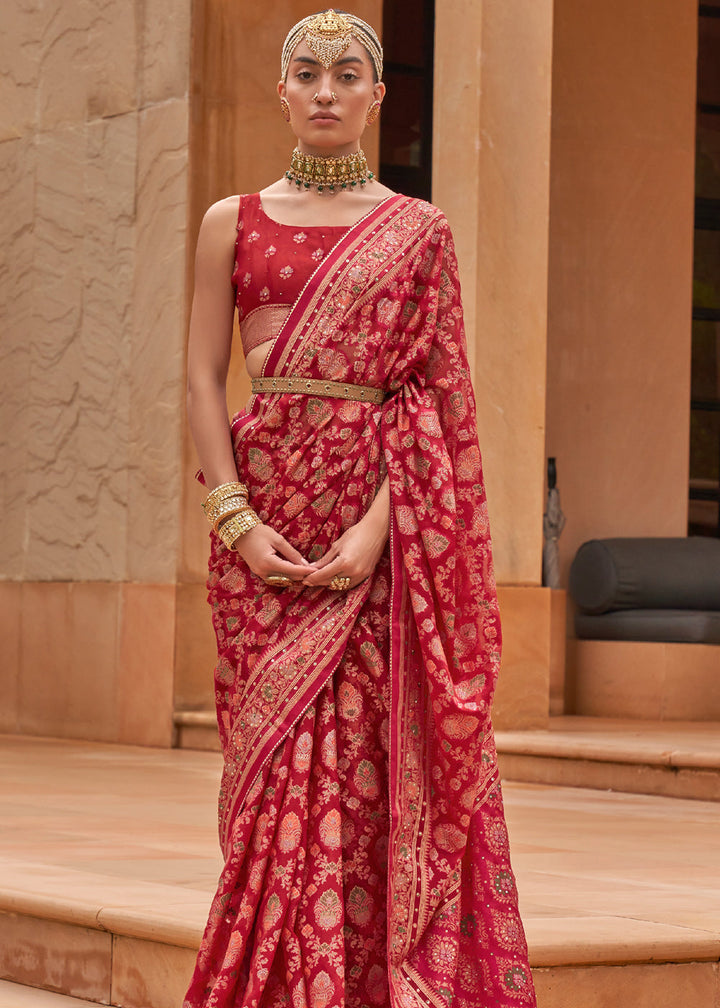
{"x": 322, "y": 124}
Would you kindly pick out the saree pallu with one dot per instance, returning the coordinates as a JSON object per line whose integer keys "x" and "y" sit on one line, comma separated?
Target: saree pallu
{"x": 361, "y": 819}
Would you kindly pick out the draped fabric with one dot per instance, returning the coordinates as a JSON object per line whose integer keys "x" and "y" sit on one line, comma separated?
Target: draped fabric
{"x": 361, "y": 819}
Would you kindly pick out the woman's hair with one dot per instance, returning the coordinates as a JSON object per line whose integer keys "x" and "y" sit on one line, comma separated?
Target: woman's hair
{"x": 328, "y": 34}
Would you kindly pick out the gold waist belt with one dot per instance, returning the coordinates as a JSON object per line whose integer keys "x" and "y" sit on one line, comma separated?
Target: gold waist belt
{"x": 318, "y": 387}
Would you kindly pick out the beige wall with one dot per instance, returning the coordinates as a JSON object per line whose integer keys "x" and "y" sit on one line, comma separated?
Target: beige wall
{"x": 93, "y": 186}
{"x": 621, "y": 217}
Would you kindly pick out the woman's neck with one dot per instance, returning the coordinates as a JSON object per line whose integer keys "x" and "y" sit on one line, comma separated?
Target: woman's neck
{"x": 333, "y": 152}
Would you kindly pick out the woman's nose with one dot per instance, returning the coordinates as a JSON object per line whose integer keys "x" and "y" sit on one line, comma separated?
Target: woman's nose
{"x": 324, "y": 93}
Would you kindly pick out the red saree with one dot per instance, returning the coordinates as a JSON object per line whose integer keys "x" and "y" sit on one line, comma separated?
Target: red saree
{"x": 366, "y": 854}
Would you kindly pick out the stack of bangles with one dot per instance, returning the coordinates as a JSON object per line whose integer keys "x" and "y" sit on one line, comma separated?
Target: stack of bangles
{"x": 228, "y": 511}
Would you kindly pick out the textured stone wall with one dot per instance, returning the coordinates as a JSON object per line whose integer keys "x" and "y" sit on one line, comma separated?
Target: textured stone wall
{"x": 93, "y": 196}
{"x": 93, "y": 223}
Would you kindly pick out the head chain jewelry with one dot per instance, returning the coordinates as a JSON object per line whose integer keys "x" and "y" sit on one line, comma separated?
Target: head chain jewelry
{"x": 328, "y": 35}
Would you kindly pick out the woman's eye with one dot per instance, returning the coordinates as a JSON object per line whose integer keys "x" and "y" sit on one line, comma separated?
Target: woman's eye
{"x": 304, "y": 75}
{"x": 349, "y": 76}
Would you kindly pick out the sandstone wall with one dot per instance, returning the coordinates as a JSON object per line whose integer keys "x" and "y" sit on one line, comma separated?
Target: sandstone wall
{"x": 93, "y": 197}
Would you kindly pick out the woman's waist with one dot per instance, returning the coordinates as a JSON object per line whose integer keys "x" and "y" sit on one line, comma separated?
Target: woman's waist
{"x": 285, "y": 409}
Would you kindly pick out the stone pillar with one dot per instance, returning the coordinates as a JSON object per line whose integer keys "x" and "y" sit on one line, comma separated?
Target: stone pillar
{"x": 620, "y": 287}
{"x": 491, "y": 177}
{"x": 620, "y": 281}
{"x": 94, "y": 147}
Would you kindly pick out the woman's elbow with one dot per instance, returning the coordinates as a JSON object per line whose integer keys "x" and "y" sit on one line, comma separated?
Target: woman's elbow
{"x": 204, "y": 392}
{"x": 205, "y": 382}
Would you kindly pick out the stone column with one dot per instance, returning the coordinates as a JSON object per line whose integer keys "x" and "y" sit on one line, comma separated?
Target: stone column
{"x": 94, "y": 150}
{"x": 620, "y": 295}
{"x": 620, "y": 282}
{"x": 491, "y": 176}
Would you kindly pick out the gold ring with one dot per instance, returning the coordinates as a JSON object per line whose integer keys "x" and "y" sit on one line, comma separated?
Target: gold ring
{"x": 339, "y": 583}
{"x": 278, "y": 580}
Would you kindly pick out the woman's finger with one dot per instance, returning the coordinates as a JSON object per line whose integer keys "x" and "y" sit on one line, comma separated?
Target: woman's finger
{"x": 328, "y": 558}
{"x": 283, "y": 547}
{"x": 324, "y": 576}
{"x": 277, "y": 565}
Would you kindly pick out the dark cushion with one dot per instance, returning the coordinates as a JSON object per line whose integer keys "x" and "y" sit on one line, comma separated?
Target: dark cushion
{"x": 612, "y": 574}
{"x": 681, "y": 625}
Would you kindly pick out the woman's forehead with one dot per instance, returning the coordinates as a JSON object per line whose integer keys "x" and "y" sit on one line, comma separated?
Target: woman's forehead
{"x": 355, "y": 52}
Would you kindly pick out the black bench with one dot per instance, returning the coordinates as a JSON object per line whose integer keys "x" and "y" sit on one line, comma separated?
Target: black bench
{"x": 648, "y": 590}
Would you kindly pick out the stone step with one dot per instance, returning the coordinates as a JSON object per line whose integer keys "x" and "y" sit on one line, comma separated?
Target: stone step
{"x": 196, "y": 730}
{"x": 109, "y": 857}
{"x": 14, "y": 995}
{"x": 646, "y": 680}
{"x": 671, "y": 758}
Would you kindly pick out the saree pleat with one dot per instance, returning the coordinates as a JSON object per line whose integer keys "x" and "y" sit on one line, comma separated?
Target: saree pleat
{"x": 360, "y": 809}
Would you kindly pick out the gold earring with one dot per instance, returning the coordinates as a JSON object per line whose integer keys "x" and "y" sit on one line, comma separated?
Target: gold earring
{"x": 285, "y": 106}
{"x": 373, "y": 113}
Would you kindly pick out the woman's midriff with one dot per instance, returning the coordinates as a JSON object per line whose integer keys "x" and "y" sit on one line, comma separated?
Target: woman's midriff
{"x": 256, "y": 358}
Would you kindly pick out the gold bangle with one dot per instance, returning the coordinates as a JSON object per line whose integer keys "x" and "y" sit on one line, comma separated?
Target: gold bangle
{"x": 225, "y": 509}
{"x": 237, "y": 526}
{"x": 222, "y": 492}
{"x": 234, "y": 509}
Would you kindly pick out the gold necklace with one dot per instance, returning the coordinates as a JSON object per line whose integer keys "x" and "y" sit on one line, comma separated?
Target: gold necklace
{"x": 328, "y": 172}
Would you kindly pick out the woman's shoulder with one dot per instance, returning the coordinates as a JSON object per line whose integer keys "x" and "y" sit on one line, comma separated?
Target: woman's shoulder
{"x": 218, "y": 229}
{"x": 223, "y": 209}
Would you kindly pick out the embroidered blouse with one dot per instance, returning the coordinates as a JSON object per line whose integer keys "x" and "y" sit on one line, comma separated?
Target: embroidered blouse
{"x": 272, "y": 264}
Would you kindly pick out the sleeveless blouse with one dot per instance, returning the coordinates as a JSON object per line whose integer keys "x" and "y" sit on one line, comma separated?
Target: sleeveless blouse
{"x": 272, "y": 265}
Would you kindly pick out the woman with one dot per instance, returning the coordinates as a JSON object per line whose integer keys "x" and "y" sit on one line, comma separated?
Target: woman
{"x": 366, "y": 856}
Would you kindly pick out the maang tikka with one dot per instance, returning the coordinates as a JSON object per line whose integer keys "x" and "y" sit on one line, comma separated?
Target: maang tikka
{"x": 328, "y": 35}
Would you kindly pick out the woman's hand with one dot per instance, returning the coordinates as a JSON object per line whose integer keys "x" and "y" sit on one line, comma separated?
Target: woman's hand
{"x": 356, "y": 553}
{"x": 266, "y": 553}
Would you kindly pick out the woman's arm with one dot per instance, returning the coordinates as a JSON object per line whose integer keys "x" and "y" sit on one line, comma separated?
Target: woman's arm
{"x": 211, "y": 321}
{"x": 263, "y": 549}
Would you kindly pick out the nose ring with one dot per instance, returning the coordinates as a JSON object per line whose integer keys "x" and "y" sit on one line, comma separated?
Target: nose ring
{"x": 333, "y": 96}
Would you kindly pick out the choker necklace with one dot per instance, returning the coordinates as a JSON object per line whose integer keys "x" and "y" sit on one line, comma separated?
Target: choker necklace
{"x": 329, "y": 173}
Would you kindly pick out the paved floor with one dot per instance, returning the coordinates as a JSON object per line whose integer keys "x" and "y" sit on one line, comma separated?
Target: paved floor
{"x": 110, "y": 833}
